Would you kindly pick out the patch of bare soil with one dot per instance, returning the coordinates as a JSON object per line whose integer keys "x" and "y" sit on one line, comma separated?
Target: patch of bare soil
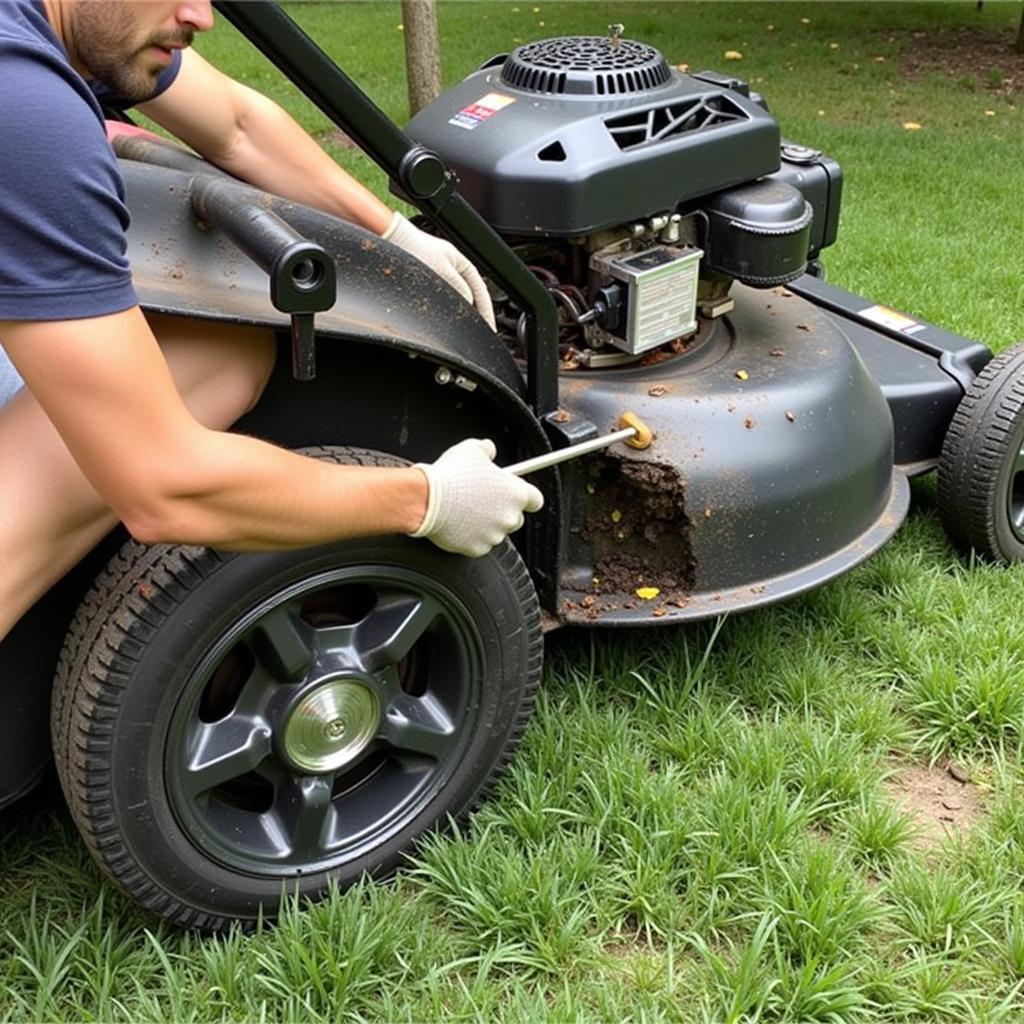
{"x": 977, "y": 57}
{"x": 940, "y": 804}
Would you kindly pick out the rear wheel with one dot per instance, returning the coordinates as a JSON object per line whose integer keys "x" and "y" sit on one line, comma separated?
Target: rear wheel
{"x": 228, "y": 728}
{"x": 981, "y": 470}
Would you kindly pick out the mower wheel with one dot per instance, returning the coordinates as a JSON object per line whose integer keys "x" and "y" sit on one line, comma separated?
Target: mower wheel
{"x": 981, "y": 469}
{"x": 232, "y": 728}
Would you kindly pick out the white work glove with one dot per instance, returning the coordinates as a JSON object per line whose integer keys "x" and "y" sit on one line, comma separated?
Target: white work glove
{"x": 445, "y": 260}
{"x": 473, "y": 504}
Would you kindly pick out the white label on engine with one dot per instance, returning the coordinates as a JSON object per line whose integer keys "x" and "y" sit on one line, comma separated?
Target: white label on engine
{"x": 665, "y": 307}
{"x": 664, "y": 303}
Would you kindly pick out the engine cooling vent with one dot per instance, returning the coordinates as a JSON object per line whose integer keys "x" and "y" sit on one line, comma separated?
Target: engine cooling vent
{"x": 585, "y": 66}
{"x": 645, "y": 127}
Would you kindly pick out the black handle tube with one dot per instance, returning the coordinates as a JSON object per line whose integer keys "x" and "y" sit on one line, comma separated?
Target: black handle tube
{"x": 257, "y": 231}
{"x": 286, "y": 46}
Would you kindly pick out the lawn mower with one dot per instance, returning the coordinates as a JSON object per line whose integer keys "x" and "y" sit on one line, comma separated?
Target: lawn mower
{"x": 231, "y": 728}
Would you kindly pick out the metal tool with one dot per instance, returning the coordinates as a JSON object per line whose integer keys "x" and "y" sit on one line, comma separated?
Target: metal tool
{"x": 632, "y": 430}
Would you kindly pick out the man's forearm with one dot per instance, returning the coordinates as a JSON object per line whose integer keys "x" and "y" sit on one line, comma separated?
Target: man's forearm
{"x": 253, "y": 138}
{"x": 274, "y": 153}
{"x": 104, "y": 384}
{"x": 241, "y": 494}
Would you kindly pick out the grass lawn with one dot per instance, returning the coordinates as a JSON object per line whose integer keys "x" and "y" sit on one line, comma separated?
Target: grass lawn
{"x": 749, "y": 821}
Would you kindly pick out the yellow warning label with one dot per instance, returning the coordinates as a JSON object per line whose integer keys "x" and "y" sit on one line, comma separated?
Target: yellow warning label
{"x": 887, "y": 317}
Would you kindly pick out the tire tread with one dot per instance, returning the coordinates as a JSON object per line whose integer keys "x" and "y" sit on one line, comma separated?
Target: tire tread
{"x": 978, "y": 440}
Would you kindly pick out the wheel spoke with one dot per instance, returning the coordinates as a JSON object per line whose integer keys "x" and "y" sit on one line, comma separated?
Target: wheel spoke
{"x": 256, "y": 691}
{"x": 391, "y": 630}
{"x": 224, "y": 750}
{"x": 304, "y": 808}
{"x": 389, "y": 684}
{"x": 418, "y": 725}
{"x": 282, "y": 644}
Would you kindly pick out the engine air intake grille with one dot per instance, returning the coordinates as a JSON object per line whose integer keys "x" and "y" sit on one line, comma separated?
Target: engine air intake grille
{"x": 585, "y": 66}
{"x": 646, "y": 127}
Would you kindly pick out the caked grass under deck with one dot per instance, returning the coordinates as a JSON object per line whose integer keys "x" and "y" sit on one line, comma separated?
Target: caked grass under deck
{"x": 697, "y": 826}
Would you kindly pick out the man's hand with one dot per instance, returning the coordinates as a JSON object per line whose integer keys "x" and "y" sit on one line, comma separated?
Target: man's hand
{"x": 473, "y": 504}
{"x": 445, "y": 260}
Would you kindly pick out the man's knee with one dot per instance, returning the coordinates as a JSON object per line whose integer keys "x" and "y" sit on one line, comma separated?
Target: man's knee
{"x": 262, "y": 361}
{"x": 220, "y": 369}
{"x": 244, "y": 367}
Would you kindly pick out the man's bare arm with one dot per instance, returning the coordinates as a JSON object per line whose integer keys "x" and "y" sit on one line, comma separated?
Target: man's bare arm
{"x": 242, "y": 131}
{"x": 106, "y": 387}
{"x": 249, "y": 135}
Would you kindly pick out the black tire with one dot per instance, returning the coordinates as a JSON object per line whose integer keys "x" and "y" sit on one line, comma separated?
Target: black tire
{"x": 200, "y": 696}
{"x": 981, "y": 469}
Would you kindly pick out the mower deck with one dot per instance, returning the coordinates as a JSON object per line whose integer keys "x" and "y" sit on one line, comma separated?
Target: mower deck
{"x": 785, "y": 433}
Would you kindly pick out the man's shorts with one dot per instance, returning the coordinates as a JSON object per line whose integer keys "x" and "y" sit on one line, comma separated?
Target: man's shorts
{"x": 10, "y": 382}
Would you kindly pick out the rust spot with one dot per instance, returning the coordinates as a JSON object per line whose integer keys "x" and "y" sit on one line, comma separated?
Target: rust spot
{"x": 750, "y": 423}
{"x": 560, "y": 417}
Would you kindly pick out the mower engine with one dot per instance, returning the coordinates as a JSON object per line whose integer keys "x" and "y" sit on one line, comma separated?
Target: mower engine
{"x": 637, "y": 193}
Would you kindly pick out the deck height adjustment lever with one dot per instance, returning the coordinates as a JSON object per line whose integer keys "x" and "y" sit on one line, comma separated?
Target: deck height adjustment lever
{"x": 302, "y": 282}
{"x": 303, "y": 279}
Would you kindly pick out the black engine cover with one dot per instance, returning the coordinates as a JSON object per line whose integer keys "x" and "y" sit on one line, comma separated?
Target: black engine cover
{"x": 569, "y": 136}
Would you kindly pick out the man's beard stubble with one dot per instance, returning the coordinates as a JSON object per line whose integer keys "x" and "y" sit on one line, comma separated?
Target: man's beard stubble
{"x": 106, "y": 43}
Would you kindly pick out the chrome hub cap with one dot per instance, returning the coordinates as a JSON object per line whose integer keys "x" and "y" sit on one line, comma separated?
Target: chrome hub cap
{"x": 331, "y": 726}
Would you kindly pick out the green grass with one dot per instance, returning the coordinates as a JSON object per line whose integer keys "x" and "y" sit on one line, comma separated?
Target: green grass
{"x": 696, "y": 826}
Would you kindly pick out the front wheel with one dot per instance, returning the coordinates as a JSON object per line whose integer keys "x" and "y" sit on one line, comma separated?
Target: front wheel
{"x": 981, "y": 470}
{"x": 228, "y": 728}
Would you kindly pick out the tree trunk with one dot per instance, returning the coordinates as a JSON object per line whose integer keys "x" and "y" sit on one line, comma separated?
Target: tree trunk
{"x": 422, "y": 52}
{"x": 1020, "y": 34}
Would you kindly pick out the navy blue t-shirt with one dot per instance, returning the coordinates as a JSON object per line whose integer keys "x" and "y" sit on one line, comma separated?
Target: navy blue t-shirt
{"x": 62, "y": 205}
